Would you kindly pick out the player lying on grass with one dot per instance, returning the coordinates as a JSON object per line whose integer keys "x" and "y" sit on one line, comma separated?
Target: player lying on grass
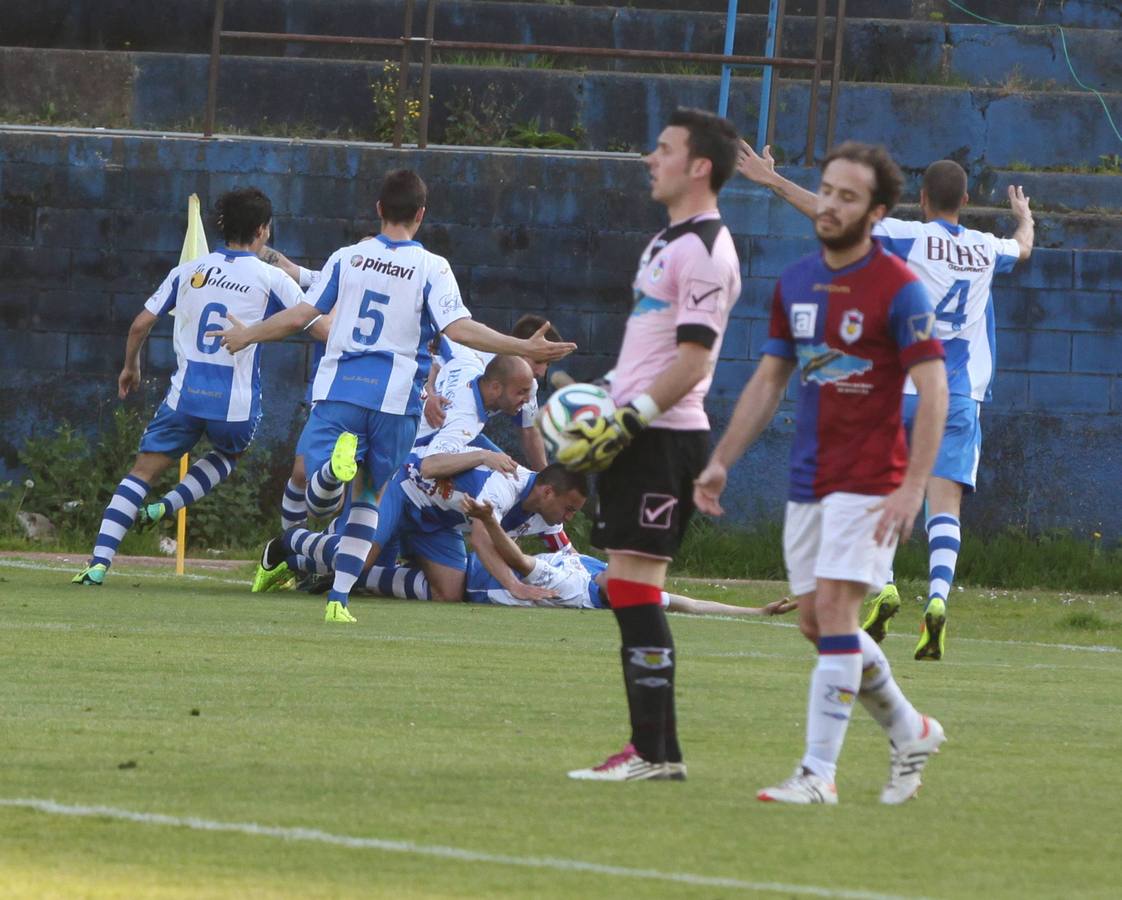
{"x": 576, "y": 581}
{"x": 212, "y": 392}
{"x": 423, "y": 518}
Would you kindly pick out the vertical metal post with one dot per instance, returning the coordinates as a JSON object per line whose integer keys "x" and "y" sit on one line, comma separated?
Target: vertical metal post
{"x": 835, "y": 77}
{"x": 815, "y": 81}
{"x": 212, "y": 77}
{"x": 426, "y": 74}
{"x": 403, "y": 75}
{"x": 772, "y": 105}
{"x": 726, "y": 69}
{"x": 765, "y": 86}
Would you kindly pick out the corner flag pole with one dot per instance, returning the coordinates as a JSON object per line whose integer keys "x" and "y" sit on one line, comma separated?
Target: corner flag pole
{"x": 194, "y": 246}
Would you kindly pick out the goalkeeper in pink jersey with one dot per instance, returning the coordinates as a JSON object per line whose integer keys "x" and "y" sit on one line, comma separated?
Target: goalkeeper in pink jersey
{"x": 650, "y": 451}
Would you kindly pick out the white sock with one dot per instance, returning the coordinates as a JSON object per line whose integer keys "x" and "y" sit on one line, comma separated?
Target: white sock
{"x": 834, "y": 686}
{"x": 881, "y": 695}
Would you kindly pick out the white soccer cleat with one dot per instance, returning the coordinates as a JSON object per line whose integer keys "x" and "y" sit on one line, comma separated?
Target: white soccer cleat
{"x": 628, "y": 765}
{"x": 804, "y": 787}
{"x": 908, "y": 761}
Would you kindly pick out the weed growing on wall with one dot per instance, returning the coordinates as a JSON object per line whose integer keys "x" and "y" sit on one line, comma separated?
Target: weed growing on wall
{"x": 384, "y": 94}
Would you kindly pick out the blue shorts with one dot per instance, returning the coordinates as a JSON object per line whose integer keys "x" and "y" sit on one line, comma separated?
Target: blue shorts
{"x": 384, "y": 439}
{"x": 400, "y": 533}
{"x": 961, "y": 446}
{"x": 173, "y": 433}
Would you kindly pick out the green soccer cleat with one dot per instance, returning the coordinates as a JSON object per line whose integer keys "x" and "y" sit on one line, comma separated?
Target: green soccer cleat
{"x": 885, "y": 605}
{"x": 933, "y": 638}
{"x": 272, "y": 572}
{"x": 149, "y": 515}
{"x": 94, "y": 575}
{"x": 337, "y": 612}
{"x": 343, "y": 465}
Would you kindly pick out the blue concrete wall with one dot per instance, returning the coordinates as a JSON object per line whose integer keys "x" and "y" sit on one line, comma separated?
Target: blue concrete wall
{"x": 90, "y": 224}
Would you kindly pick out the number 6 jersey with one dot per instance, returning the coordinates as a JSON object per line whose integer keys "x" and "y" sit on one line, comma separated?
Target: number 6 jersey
{"x": 210, "y": 382}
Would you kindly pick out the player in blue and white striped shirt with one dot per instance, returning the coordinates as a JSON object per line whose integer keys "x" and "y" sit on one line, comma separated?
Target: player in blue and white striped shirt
{"x": 390, "y": 298}
{"x": 212, "y": 391}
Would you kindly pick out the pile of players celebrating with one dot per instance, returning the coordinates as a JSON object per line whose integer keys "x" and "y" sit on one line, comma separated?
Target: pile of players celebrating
{"x": 888, "y": 327}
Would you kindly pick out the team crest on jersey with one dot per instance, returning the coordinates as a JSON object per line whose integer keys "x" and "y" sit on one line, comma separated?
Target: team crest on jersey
{"x": 852, "y": 324}
{"x": 804, "y": 319}
{"x": 658, "y": 271}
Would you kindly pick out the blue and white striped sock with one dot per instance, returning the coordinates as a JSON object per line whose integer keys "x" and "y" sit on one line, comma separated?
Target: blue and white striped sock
{"x": 944, "y": 539}
{"x": 354, "y": 546}
{"x": 324, "y": 491}
{"x": 118, "y": 518}
{"x": 316, "y": 546}
{"x": 406, "y": 582}
{"x": 202, "y": 478}
{"x": 294, "y": 508}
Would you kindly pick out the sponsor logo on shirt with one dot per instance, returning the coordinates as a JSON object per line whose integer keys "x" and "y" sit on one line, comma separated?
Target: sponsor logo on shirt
{"x": 804, "y": 318}
{"x": 384, "y": 266}
{"x": 852, "y": 324}
{"x": 921, "y": 325}
{"x": 213, "y": 277}
{"x": 831, "y": 288}
{"x": 822, "y": 364}
{"x": 703, "y": 295}
{"x": 958, "y": 257}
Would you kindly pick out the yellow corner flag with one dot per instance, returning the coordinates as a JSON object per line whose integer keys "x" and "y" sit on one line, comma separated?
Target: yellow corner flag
{"x": 194, "y": 247}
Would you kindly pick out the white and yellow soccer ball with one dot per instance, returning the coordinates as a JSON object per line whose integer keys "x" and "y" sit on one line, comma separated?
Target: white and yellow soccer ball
{"x": 570, "y": 404}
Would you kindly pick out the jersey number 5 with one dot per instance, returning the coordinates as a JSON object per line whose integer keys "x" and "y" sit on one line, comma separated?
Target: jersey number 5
{"x": 955, "y": 317}
{"x": 367, "y": 310}
{"x": 211, "y": 318}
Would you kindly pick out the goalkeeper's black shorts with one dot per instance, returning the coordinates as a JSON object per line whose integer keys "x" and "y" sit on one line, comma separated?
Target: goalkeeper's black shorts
{"x": 645, "y": 498}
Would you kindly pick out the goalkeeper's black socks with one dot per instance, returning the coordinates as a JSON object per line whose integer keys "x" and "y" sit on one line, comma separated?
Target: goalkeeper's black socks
{"x": 647, "y": 656}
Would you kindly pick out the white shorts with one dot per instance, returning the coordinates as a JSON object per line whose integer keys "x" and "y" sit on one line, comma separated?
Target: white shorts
{"x": 833, "y": 538}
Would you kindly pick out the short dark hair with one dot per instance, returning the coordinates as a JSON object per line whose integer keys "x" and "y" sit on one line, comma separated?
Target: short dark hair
{"x": 239, "y": 213}
{"x": 889, "y": 181}
{"x": 526, "y": 325}
{"x": 711, "y": 137}
{"x": 403, "y": 195}
{"x": 562, "y": 480}
{"x": 944, "y": 182}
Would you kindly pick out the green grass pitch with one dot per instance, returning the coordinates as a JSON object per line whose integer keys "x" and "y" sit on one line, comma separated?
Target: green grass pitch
{"x": 437, "y": 737}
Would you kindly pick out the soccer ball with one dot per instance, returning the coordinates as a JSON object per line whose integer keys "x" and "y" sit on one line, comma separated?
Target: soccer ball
{"x": 569, "y": 404}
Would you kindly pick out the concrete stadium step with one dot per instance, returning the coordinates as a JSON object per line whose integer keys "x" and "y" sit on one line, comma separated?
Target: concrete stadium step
{"x": 1058, "y": 191}
{"x": 981, "y": 128}
{"x": 876, "y": 49}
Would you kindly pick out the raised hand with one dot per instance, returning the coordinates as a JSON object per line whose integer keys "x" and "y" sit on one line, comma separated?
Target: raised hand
{"x": 754, "y": 167}
{"x": 1018, "y": 202}
{"x": 540, "y": 349}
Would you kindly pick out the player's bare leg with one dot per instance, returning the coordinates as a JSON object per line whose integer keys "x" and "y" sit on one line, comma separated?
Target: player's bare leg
{"x": 446, "y": 583}
{"x": 944, "y": 503}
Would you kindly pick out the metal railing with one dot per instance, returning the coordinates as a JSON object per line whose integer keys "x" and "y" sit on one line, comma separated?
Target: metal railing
{"x": 428, "y": 43}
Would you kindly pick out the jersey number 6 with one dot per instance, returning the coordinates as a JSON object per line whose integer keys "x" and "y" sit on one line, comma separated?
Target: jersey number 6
{"x": 209, "y": 320}
{"x": 367, "y": 310}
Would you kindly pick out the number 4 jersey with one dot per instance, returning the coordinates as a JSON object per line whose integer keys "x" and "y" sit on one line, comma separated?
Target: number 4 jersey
{"x": 957, "y": 266}
{"x": 209, "y": 382}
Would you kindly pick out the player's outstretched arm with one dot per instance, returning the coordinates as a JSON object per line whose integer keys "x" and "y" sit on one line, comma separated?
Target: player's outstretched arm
{"x": 1025, "y": 233}
{"x": 274, "y": 257}
{"x": 275, "y": 328}
{"x": 500, "y": 555}
{"x": 445, "y": 465}
{"x": 754, "y": 410}
{"x": 536, "y": 347}
{"x": 141, "y": 327}
{"x": 761, "y": 170}
{"x": 898, "y": 510}
{"x": 682, "y": 604}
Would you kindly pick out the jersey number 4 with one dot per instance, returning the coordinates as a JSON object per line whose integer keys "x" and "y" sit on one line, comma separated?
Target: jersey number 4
{"x": 368, "y": 310}
{"x": 955, "y": 315}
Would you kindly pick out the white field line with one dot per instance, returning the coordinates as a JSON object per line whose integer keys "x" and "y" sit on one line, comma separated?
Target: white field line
{"x": 767, "y": 623}
{"x": 459, "y": 854}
